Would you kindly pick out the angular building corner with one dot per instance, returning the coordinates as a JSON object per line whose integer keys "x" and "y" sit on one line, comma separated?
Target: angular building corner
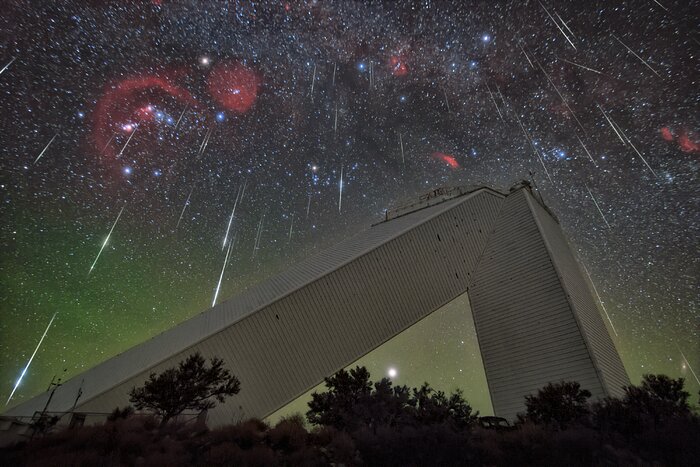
{"x": 535, "y": 317}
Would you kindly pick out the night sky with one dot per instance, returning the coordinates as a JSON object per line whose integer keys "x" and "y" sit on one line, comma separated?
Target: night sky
{"x": 154, "y": 149}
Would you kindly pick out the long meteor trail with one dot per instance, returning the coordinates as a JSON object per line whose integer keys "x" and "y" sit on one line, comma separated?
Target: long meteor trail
{"x": 223, "y": 269}
{"x": 230, "y": 220}
{"x": 104, "y": 244}
{"x": 45, "y": 148}
{"x": 599, "y": 299}
{"x": 24, "y": 371}
{"x": 8, "y": 65}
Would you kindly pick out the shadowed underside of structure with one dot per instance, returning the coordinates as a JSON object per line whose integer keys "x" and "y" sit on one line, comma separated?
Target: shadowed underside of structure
{"x": 535, "y": 317}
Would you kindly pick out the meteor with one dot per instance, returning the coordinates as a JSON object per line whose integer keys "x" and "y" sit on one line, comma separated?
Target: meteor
{"x": 187, "y": 203}
{"x": 599, "y": 300}
{"x": 104, "y": 244}
{"x": 24, "y": 371}
{"x": 8, "y": 65}
{"x": 181, "y": 115}
{"x": 561, "y": 96}
{"x": 335, "y": 123}
{"x": 403, "y": 159}
{"x": 230, "y": 220}
{"x": 45, "y": 148}
{"x": 579, "y": 65}
{"x": 340, "y": 190}
{"x": 640, "y": 58}
{"x": 599, "y": 210}
{"x": 313, "y": 81}
{"x": 127, "y": 141}
{"x": 223, "y": 269}
{"x": 557, "y": 25}
{"x": 688, "y": 365}
{"x": 291, "y": 226}
{"x": 494, "y": 101}
{"x": 586, "y": 149}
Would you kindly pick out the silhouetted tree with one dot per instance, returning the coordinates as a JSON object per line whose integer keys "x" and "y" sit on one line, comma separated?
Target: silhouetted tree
{"x": 336, "y": 407}
{"x": 352, "y": 401}
{"x": 658, "y": 396}
{"x": 558, "y": 403}
{"x": 435, "y": 407}
{"x": 190, "y": 386}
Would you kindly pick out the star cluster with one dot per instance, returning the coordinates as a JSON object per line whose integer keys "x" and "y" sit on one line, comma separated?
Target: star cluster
{"x": 189, "y": 149}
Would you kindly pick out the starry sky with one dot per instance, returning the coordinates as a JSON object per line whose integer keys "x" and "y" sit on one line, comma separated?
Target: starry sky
{"x": 160, "y": 156}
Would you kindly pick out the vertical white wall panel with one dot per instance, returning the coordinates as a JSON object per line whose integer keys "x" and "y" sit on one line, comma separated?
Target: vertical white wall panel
{"x": 602, "y": 348}
{"x": 521, "y": 314}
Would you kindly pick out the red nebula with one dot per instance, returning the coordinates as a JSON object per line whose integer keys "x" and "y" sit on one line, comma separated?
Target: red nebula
{"x": 397, "y": 64}
{"x": 687, "y": 142}
{"x": 666, "y": 133}
{"x": 234, "y": 86}
{"x": 447, "y": 159}
{"x": 128, "y": 99}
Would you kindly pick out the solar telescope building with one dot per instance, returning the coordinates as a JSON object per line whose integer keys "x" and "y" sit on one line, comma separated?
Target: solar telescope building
{"x": 535, "y": 317}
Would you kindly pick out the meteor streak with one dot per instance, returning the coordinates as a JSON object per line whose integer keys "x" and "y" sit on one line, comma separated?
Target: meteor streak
{"x": 223, "y": 269}
{"x": 24, "y": 371}
{"x": 256, "y": 247}
{"x": 561, "y": 97}
{"x": 187, "y": 203}
{"x": 335, "y": 123}
{"x": 598, "y": 207}
{"x": 313, "y": 81}
{"x": 230, "y": 220}
{"x": 403, "y": 159}
{"x": 557, "y": 25}
{"x": 534, "y": 148}
{"x": 340, "y": 190}
{"x": 107, "y": 145}
{"x": 528, "y": 58}
{"x": 637, "y": 151}
{"x": 8, "y": 65}
{"x": 106, "y": 240}
{"x": 494, "y": 102}
{"x": 625, "y": 140}
{"x": 205, "y": 142}
{"x": 688, "y": 364}
{"x": 579, "y": 65}
{"x": 640, "y": 58}
{"x": 181, "y": 115}
{"x": 611, "y": 124}
{"x": 131, "y": 135}
{"x": 599, "y": 300}
{"x": 45, "y": 148}
{"x": 586, "y": 149}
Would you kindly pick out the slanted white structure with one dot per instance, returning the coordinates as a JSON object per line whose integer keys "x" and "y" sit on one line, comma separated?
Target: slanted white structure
{"x": 535, "y": 316}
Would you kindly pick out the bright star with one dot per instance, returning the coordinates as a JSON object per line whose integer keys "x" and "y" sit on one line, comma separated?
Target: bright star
{"x": 392, "y": 372}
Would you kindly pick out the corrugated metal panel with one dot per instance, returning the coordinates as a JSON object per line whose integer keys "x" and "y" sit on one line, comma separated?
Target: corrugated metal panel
{"x": 407, "y": 278}
{"x": 527, "y": 333}
{"x": 605, "y": 355}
